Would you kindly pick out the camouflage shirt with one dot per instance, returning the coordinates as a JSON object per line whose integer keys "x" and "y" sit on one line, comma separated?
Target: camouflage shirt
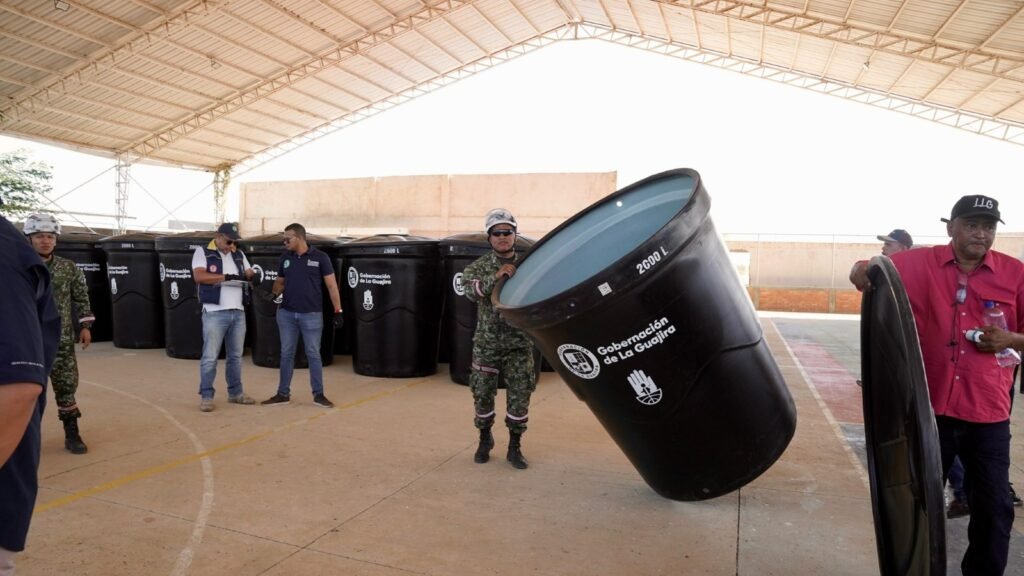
{"x": 492, "y": 332}
{"x": 69, "y": 290}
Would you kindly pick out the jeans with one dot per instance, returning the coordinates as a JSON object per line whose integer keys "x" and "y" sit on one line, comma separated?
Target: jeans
{"x": 311, "y": 325}
{"x": 984, "y": 450}
{"x": 222, "y": 326}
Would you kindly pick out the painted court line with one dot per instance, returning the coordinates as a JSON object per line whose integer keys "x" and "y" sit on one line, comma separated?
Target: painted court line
{"x": 836, "y": 428}
{"x": 153, "y": 471}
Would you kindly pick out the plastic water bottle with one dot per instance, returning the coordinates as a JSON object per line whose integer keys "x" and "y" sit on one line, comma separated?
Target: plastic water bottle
{"x": 994, "y": 317}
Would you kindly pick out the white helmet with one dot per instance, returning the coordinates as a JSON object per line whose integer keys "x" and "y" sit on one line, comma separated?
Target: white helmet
{"x": 41, "y": 223}
{"x": 499, "y": 216}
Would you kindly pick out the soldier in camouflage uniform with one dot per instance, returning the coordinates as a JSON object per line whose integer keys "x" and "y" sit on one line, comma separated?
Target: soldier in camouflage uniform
{"x": 69, "y": 289}
{"x": 499, "y": 350}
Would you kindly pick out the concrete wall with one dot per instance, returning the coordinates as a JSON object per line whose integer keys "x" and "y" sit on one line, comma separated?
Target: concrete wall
{"x": 432, "y": 205}
{"x": 814, "y": 276}
{"x": 796, "y": 275}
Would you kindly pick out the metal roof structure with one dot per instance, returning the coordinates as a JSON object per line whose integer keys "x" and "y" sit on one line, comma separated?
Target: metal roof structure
{"x": 224, "y": 83}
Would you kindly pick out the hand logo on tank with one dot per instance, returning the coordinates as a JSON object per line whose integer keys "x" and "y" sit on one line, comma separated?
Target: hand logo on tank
{"x": 113, "y": 285}
{"x": 647, "y": 392}
{"x": 367, "y": 301}
{"x": 174, "y": 291}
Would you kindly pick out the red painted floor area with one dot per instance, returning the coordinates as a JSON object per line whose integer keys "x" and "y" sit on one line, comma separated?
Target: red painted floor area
{"x": 836, "y": 385}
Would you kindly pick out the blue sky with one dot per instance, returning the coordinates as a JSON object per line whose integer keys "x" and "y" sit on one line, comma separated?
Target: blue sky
{"x": 775, "y": 159}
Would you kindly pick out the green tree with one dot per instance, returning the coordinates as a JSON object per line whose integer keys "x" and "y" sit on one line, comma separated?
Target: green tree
{"x": 23, "y": 183}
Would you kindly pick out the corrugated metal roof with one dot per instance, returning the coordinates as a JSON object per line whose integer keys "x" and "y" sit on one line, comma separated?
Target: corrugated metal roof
{"x": 212, "y": 83}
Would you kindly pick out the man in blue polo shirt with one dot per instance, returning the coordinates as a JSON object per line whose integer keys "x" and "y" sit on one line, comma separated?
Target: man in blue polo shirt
{"x": 301, "y": 272}
{"x": 29, "y": 335}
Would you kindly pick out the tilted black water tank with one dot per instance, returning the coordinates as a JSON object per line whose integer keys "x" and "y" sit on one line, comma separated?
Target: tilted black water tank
{"x": 264, "y": 253}
{"x": 133, "y": 273}
{"x": 396, "y": 304}
{"x": 85, "y": 251}
{"x": 459, "y": 321}
{"x": 636, "y": 303}
{"x": 183, "y": 314}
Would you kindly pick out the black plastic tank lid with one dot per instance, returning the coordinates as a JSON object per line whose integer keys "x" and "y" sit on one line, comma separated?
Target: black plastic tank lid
{"x": 276, "y": 239}
{"x": 186, "y": 241}
{"x": 477, "y": 243}
{"x": 580, "y": 257}
{"x": 391, "y": 245}
{"x": 904, "y": 459}
{"x": 133, "y": 241}
{"x": 78, "y": 241}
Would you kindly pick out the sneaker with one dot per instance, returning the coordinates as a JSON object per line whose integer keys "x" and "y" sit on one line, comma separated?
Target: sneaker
{"x": 276, "y": 399}
{"x": 1017, "y": 502}
{"x": 206, "y": 405}
{"x": 321, "y": 400}
{"x": 958, "y": 509}
{"x": 242, "y": 398}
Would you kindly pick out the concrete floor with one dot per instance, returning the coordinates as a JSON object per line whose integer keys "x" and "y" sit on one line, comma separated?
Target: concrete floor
{"x": 385, "y": 484}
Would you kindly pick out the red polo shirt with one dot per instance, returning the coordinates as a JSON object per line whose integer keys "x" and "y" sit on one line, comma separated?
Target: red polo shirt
{"x": 963, "y": 383}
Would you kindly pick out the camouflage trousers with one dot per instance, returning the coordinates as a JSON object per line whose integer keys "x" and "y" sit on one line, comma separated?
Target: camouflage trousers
{"x": 513, "y": 366}
{"x": 64, "y": 377}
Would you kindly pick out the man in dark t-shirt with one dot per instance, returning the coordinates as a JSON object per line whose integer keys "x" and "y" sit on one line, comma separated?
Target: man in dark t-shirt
{"x": 302, "y": 271}
{"x": 29, "y": 335}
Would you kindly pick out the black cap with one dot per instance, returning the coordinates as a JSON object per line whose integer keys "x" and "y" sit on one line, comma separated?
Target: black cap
{"x": 976, "y": 205}
{"x": 229, "y": 229}
{"x": 898, "y": 235}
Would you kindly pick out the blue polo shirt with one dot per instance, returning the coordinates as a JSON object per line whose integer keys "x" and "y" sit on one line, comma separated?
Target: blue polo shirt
{"x": 29, "y": 334}
{"x": 304, "y": 279}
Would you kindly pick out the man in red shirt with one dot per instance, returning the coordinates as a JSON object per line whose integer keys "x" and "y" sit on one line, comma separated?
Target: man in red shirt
{"x": 948, "y": 287}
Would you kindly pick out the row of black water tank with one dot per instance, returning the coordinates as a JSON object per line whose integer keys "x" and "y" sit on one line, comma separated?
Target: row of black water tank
{"x": 402, "y": 297}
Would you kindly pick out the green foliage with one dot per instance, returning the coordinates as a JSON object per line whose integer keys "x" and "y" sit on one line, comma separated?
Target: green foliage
{"x": 23, "y": 183}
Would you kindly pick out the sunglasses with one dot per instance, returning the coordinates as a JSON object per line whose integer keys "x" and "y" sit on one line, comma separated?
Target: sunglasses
{"x": 229, "y": 242}
{"x": 503, "y": 232}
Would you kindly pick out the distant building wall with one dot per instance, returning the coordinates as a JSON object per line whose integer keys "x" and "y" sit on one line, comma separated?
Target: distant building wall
{"x": 799, "y": 275}
{"x": 432, "y": 205}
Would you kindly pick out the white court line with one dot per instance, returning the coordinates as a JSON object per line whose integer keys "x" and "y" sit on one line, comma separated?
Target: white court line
{"x": 181, "y": 565}
{"x": 824, "y": 408}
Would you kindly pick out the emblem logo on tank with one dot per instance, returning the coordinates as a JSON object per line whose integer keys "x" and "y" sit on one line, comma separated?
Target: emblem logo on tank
{"x": 367, "y": 300}
{"x": 579, "y": 361}
{"x": 457, "y": 285}
{"x": 353, "y": 277}
{"x": 163, "y": 272}
{"x": 257, "y": 270}
{"x": 647, "y": 392}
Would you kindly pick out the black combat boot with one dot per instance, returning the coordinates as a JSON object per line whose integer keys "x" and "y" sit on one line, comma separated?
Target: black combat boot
{"x": 483, "y": 451}
{"x": 515, "y": 456}
{"x": 72, "y": 441}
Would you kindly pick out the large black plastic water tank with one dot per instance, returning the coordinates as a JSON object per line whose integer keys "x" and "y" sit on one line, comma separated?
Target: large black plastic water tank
{"x": 183, "y": 314}
{"x": 263, "y": 253}
{"x": 395, "y": 309}
{"x": 133, "y": 272}
{"x": 85, "y": 251}
{"x": 459, "y": 321}
{"x": 638, "y": 307}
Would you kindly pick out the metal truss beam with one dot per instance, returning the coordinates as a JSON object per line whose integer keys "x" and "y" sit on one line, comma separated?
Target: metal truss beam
{"x": 435, "y": 83}
{"x": 333, "y": 57}
{"x": 124, "y": 175}
{"x": 143, "y": 39}
{"x": 221, "y": 180}
{"x": 974, "y": 123}
{"x": 856, "y": 34}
